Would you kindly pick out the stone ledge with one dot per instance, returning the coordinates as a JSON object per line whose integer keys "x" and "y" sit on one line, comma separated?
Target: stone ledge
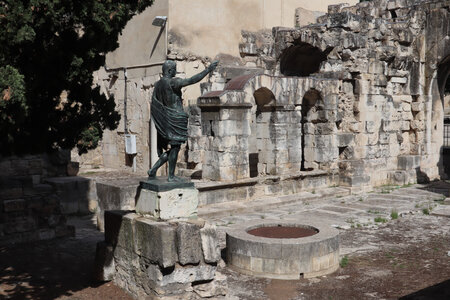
{"x": 226, "y": 208}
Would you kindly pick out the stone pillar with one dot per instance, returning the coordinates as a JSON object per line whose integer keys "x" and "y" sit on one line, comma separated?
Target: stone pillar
{"x": 227, "y": 128}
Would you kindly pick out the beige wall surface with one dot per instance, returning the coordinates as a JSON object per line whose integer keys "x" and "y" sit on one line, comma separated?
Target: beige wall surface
{"x": 138, "y": 40}
{"x": 207, "y": 28}
{"x": 317, "y": 5}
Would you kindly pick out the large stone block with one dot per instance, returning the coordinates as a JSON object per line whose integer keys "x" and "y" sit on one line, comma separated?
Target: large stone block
{"x": 166, "y": 205}
{"x": 210, "y": 244}
{"x": 216, "y": 288}
{"x": 345, "y": 139}
{"x": 344, "y": 20}
{"x": 119, "y": 228}
{"x": 181, "y": 275}
{"x": 408, "y": 162}
{"x": 156, "y": 241}
{"x": 189, "y": 243}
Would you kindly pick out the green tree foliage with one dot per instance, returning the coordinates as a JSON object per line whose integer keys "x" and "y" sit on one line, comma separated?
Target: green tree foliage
{"x": 50, "y": 48}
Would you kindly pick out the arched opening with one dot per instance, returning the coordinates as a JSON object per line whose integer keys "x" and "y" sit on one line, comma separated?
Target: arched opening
{"x": 259, "y": 138}
{"x": 302, "y": 59}
{"x": 444, "y": 91}
{"x": 310, "y": 117}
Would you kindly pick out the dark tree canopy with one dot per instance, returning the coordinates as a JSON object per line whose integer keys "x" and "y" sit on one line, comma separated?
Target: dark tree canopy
{"x": 49, "y": 48}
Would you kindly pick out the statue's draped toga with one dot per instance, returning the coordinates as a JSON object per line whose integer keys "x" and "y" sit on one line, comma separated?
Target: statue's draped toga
{"x": 170, "y": 119}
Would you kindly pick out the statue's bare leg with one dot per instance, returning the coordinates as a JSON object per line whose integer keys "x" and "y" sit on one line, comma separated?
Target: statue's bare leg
{"x": 173, "y": 155}
{"x": 161, "y": 161}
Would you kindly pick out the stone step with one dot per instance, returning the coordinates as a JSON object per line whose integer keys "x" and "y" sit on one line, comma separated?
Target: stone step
{"x": 121, "y": 193}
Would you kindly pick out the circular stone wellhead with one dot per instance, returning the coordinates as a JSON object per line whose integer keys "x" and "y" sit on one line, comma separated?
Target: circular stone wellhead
{"x": 283, "y": 258}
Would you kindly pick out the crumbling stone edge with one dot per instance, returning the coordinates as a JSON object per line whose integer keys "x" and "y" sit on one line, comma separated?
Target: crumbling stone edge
{"x": 160, "y": 260}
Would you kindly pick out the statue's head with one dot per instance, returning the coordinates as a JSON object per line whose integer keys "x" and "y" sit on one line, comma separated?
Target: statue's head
{"x": 169, "y": 68}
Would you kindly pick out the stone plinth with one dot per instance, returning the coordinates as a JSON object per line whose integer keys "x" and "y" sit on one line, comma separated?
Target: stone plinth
{"x": 167, "y": 200}
{"x": 160, "y": 260}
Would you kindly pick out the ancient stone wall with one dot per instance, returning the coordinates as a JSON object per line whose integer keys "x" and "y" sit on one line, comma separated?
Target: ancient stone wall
{"x": 30, "y": 210}
{"x": 388, "y": 61}
{"x": 267, "y": 126}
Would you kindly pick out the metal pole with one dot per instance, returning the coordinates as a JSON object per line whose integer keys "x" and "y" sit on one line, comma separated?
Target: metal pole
{"x": 125, "y": 119}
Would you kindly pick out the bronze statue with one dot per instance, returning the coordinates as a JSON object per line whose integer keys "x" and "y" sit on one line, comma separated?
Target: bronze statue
{"x": 170, "y": 119}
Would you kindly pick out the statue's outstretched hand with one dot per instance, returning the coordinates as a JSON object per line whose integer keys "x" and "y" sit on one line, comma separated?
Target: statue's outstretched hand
{"x": 213, "y": 65}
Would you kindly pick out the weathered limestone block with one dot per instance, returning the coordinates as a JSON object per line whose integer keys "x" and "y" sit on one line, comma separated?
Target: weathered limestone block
{"x": 408, "y": 162}
{"x": 168, "y": 261}
{"x": 210, "y": 244}
{"x": 216, "y": 288}
{"x": 344, "y": 19}
{"x": 417, "y": 106}
{"x": 171, "y": 204}
{"x": 156, "y": 241}
{"x": 372, "y": 126}
{"x": 336, "y": 8}
{"x": 189, "y": 243}
{"x": 345, "y": 139}
{"x": 119, "y": 228}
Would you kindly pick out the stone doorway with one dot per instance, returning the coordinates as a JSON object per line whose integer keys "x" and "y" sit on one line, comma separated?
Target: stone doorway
{"x": 260, "y": 141}
{"x": 444, "y": 91}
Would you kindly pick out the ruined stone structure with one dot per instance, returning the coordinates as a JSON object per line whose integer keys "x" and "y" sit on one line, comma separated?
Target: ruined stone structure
{"x": 179, "y": 261}
{"x": 193, "y": 40}
{"x": 359, "y": 94}
{"x": 30, "y": 208}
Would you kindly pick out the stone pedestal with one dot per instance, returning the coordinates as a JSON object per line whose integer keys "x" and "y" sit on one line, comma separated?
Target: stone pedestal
{"x": 167, "y": 200}
{"x": 160, "y": 260}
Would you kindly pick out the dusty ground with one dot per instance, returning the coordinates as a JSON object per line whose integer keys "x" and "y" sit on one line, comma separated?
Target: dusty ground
{"x": 408, "y": 257}
{"x": 57, "y": 269}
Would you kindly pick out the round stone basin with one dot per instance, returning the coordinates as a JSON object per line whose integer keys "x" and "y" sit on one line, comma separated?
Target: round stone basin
{"x": 283, "y": 232}
{"x": 284, "y": 249}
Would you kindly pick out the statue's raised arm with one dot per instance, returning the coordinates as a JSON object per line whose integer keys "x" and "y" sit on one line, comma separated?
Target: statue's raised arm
{"x": 197, "y": 77}
{"x": 168, "y": 114}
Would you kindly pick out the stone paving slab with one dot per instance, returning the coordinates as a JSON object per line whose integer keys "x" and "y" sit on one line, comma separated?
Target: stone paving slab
{"x": 334, "y": 205}
{"x": 442, "y": 212}
{"x": 265, "y": 203}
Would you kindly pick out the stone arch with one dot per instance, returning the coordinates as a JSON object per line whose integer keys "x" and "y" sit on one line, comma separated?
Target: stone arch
{"x": 435, "y": 74}
{"x": 264, "y": 100}
{"x": 441, "y": 116}
{"x": 301, "y": 59}
{"x": 263, "y": 96}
